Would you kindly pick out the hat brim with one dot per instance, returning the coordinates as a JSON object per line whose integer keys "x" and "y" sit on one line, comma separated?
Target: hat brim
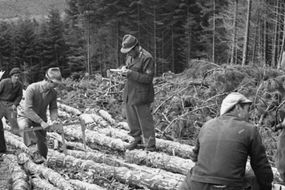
{"x": 56, "y": 81}
{"x": 127, "y": 50}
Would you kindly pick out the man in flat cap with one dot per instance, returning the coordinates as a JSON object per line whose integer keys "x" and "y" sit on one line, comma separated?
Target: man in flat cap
{"x": 223, "y": 147}
{"x": 11, "y": 92}
{"x": 138, "y": 93}
{"x": 40, "y": 96}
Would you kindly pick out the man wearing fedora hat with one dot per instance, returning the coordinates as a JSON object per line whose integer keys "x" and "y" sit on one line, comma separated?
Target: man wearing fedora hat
{"x": 11, "y": 91}
{"x": 40, "y": 96}
{"x": 138, "y": 93}
{"x": 223, "y": 147}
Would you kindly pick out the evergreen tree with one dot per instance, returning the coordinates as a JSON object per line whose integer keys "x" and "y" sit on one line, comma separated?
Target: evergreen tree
{"x": 55, "y": 46}
{"x": 6, "y": 46}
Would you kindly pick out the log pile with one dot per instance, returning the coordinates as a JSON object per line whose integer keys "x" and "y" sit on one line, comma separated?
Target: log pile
{"x": 136, "y": 169}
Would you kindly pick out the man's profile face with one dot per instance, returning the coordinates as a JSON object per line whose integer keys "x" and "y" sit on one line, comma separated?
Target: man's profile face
{"x": 15, "y": 78}
{"x": 133, "y": 52}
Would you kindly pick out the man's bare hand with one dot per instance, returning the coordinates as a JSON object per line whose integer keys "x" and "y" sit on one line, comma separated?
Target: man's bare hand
{"x": 44, "y": 125}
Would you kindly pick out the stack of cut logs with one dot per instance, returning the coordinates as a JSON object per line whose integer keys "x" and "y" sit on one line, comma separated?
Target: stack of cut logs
{"x": 101, "y": 154}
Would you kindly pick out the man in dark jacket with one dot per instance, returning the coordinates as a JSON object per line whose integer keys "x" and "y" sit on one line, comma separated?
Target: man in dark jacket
{"x": 223, "y": 147}
{"x": 11, "y": 92}
{"x": 138, "y": 93}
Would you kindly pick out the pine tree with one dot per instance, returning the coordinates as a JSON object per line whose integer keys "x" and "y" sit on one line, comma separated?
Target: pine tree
{"x": 6, "y": 46}
{"x": 56, "y": 47}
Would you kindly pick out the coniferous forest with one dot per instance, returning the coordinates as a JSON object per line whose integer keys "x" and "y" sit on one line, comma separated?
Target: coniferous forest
{"x": 86, "y": 37}
{"x": 203, "y": 49}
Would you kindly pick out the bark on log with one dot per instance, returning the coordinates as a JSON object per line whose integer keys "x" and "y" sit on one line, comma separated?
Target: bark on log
{"x": 160, "y": 160}
{"x": 42, "y": 184}
{"x": 49, "y": 174}
{"x": 112, "y": 132}
{"x": 16, "y": 141}
{"x": 122, "y": 125}
{"x": 123, "y": 174}
{"x": 170, "y": 147}
{"x": 69, "y": 109}
{"x": 85, "y": 186}
{"x": 63, "y": 114}
{"x": 87, "y": 118}
{"x": 99, "y": 120}
{"x": 69, "y": 144}
{"x": 19, "y": 178}
{"x": 99, "y": 157}
{"x": 95, "y": 137}
{"x": 107, "y": 116}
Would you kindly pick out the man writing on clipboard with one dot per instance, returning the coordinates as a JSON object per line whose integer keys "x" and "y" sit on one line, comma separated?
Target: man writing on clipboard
{"x": 138, "y": 93}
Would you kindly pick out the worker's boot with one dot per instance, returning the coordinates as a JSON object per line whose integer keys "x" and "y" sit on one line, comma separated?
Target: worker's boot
{"x": 136, "y": 144}
{"x": 38, "y": 158}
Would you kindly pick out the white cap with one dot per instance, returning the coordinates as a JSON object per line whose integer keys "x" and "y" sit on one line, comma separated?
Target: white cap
{"x": 231, "y": 100}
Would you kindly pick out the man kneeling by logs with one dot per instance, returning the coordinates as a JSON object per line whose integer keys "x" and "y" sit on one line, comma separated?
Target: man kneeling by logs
{"x": 223, "y": 146}
{"x": 40, "y": 96}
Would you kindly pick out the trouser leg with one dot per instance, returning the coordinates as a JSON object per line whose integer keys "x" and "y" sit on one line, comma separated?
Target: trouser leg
{"x": 2, "y": 138}
{"x": 133, "y": 122}
{"x": 146, "y": 124}
{"x": 13, "y": 121}
{"x": 3, "y": 147}
{"x": 42, "y": 142}
{"x": 33, "y": 137}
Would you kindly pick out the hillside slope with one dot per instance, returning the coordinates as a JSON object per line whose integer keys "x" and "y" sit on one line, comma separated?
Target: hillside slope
{"x": 22, "y": 8}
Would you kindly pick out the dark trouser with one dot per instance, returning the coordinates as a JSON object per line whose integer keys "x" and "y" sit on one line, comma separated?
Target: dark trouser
{"x": 6, "y": 110}
{"x": 188, "y": 184}
{"x": 194, "y": 185}
{"x": 140, "y": 122}
{"x": 2, "y": 138}
{"x": 34, "y": 137}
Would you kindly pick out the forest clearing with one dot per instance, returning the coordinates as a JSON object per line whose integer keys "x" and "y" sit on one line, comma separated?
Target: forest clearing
{"x": 183, "y": 102}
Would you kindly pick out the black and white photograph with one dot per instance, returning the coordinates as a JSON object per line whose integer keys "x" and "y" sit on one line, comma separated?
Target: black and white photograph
{"x": 142, "y": 95}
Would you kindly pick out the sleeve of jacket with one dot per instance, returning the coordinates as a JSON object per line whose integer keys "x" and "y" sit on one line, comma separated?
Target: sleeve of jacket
{"x": 148, "y": 72}
{"x": 28, "y": 106}
{"x": 19, "y": 95}
{"x": 196, "y": 151}
{"x": 259, "y": 161}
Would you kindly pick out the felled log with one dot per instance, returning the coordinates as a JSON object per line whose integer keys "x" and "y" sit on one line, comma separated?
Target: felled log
{"x": 95, "y": 137}
{"x": 69, "y": 109}
{"x": 113, "y": 132}
{"x": 42, "y": 184}
{"x": 69, "y": 144}
{"x": 85, "y": 186}
{"x": 107, "y": 116}
{"x": 16, "y": 141}
{"x": 175, "y": 148}
{"x": 122, "y": 125}
{"x": 63, "y": 113}
{"x": 19, "y": 178}
{"x": 170, "y": 147}
{"x": 160, "y": 160}
{"x": 49, "y": 174}
{"x": 111, "y": 160}
{"x": 99, "y": 120}
{"x": 87, "y": 118}
{"x": 122, "y": 174}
